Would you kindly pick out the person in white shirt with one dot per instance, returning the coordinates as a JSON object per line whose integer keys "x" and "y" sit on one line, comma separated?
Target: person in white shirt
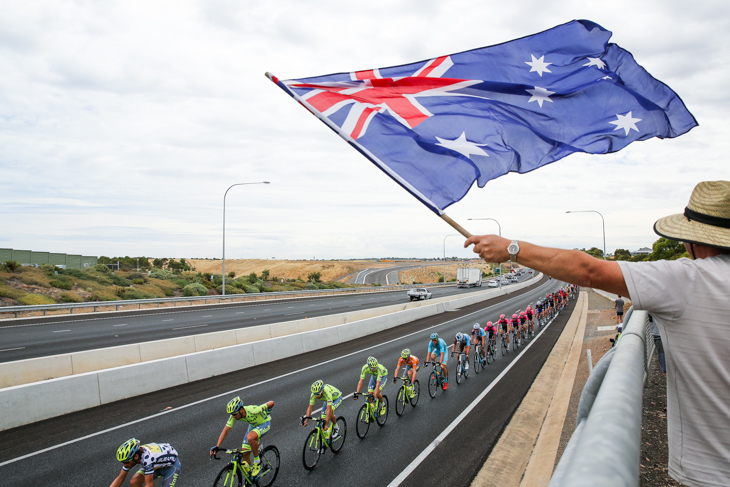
{"x": 690, "y": 301}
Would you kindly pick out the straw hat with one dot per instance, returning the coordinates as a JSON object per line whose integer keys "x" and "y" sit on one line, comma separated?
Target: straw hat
{"x": 706, "y": 219}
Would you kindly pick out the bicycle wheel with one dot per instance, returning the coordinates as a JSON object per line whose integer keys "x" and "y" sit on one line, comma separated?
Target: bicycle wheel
{"x": 459, "y": 372}
{"x": 363, "y": 421}
{"x": 383, "y": 417}
{"x": 433, "y": 385}
{"x": 416, "y": 393}
{"x": 339, "y": 441}
{"x": 503, "y": 346}
{"x": 477, "y": 360}
{"x": 226, "y": 477}
{"x": 312, "y": 447}
{"x": 270, "y": 462}
{"x": 490, "y": 353}
{"x": 401, "y": 400}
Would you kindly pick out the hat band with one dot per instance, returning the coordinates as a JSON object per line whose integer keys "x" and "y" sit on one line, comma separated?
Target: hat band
{"x": 715, "y": 221}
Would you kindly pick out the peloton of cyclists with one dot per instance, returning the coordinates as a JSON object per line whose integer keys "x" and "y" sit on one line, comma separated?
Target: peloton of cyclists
{"x": 332, "y": 398}
{"x": 463, "y": 342}
{"x": 156, "y": 460}
{"x": 378, "y": 379}
{"x": 259, "y": 423}
{"x": 437, "y": 353}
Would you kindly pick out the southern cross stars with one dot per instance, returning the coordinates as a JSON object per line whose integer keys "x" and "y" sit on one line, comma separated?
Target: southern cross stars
{"x": 626, "y": 122}
{"x": 463, "y": 146}
{"x": 595, "y": 61}
{"x": 540, "y": 95}
{"x": 538, "y": 65}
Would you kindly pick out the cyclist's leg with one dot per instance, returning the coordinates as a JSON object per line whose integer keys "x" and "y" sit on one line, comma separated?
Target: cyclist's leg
{"x": 255, "y": 434}
{"x": 169, "y": 474}
{"x": 443, "y": 367}
{"x": 137, "y": 479}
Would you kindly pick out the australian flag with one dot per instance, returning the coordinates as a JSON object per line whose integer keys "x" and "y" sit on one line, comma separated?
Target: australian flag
{"x": 436, "y": 126}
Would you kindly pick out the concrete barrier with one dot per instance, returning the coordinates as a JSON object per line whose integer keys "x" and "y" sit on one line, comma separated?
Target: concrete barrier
{"x": 105, "y": 358}
{"x": 35, "y": 369}
{"x": 30, "y": 402}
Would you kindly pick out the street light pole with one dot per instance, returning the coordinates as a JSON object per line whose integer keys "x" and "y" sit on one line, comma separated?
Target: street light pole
{"x": 447, "y": 236}
{"x": 224, "y": 228}
{"x": 603, "y": 222}
{"x": 500, "y": 234}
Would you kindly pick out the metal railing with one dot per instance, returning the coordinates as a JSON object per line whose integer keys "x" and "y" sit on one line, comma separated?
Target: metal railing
{"x": 605, "y": 447}
{"x": 130, "y": 304}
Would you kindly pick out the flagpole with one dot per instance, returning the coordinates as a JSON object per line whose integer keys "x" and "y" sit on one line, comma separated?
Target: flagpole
{"x": 455, "y": 225}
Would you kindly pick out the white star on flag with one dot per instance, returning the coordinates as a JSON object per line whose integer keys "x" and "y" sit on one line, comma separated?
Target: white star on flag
{"x": 538, "y": 65}
{"x": 540, "y": 95}
{"x": 596, "y": 61}
{"x": 626, "y": 122}
{"x": 463, "y": 146}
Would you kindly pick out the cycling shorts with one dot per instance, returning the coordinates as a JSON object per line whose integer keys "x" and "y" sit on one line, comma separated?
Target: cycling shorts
{"x": 374, "y": 381}
{"x": 169, "y": 474}
{"x": 335, "y": 405}
{"x": 260, "y": 431}
{"x": 436, "y": 357}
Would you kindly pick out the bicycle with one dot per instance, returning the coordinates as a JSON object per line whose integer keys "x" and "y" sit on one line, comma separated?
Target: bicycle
{"x": 515, "y": 340}
{"x": 405, "y": 395}
{"x": 435, "y": 380}
{"x": 479, "y": 362}
{"x": 461, "y": 370}
{"x": 504, "y": 345}
{"x": 317, "y": 443}
{"x": 368, "y": 414}
{"x": 238, "y": 472}
{"x": 490, "y": 352}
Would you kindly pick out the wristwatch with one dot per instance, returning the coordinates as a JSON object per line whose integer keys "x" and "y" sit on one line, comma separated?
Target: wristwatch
{"x": 513, "y": 250}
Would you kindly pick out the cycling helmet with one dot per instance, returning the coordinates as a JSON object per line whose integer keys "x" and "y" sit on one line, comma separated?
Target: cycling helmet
{"x": 529, "y": 308}
{"x": 128, "y": 449}
{"x": 514, "y": 316}
{"x": 522, "y": 313}
{"x": 317, "y": 387}
{"x": 489, "y": 323}
{"x": 434, "y": 336}
{"x": 234, "y": 405}
{"x": 501, "y": 317}
{"x": 458, "y": 337}
{"x": 406, "y": 353}
{"x": 372, "y": 363}
{"x": 476, "y": 326}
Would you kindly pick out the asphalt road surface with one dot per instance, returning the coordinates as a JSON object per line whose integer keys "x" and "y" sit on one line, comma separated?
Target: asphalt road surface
{"x": 79, "y": 449}
{"x": 51, "y": 335}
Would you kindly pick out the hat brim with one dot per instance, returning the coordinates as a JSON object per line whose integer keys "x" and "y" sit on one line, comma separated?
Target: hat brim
{"x": 679, "y": 227}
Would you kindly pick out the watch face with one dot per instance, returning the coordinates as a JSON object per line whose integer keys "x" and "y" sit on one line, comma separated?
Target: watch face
{"x": 513, "y": 249}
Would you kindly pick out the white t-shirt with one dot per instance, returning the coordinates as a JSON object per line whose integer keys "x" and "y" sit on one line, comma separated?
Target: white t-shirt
{"x": 690, "y": 301}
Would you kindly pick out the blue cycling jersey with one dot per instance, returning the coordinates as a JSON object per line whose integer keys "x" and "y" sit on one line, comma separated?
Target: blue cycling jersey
{"x": 440, "y": 348}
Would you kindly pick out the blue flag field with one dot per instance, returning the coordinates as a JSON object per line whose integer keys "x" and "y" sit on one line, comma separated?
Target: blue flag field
{"x": 439, "y": 125}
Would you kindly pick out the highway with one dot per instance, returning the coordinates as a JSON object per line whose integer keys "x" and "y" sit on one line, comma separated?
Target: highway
{"x": 51, "y": 335}
{"x": 79, "y": 449}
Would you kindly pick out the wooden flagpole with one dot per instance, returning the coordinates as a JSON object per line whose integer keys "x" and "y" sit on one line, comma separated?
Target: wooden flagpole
{"x": 455, "y": 225}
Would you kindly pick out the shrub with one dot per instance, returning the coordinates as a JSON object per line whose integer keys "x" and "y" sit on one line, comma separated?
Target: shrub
{"x": 311, "y": 286}
{"x": 120, "y": 281}
{"x": 250, "y": 289}
{"x": 135, "y": 281}
{"x": 11, "y": 265}
{"x": 77, "y": 273}
{"x": 102, "y": 268}
{"x": 33, "y": 299}
{"x": 195, "y": 289}
{"x": 62, "y": 284}
{"x": 9, "y": 292}
{"x": 32, "y": 280}
{"x": 102, "y": 296}
{"x": 134, "y": 294}
{"x": 162, "y": 274}
{"x": 48, "y": 268}
{"x": 167, "y": 291}
{"x": 70, "y": 297}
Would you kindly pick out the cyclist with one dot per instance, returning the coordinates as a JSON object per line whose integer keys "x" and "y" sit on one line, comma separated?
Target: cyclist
{"x": 491, "y": 331}
{"x": 378, "y": 379}
{"x": 410, "y": 362}
{"x": 464, "y": 343}
{"x": 332, "y": 398}
{"x": 437, "y": 353}
{"x": 259, "y": 423}
{"x": 539, "y": 311}
{"x": 156, "y": 459}
{"x": 504, "y": 327}
{"x": 515, "y": 325}
{"x": 478, "y": 336}
{"x": 523, "y": 323}
{"x": 530, "y": 318}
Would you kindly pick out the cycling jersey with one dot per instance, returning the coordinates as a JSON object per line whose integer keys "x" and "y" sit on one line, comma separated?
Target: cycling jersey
{"x": 410, "y": 362}
{"x": 491, "y": 331}
{"x": 529, "y": 313}
{"x": 255, "y": 416}
{"x": 439, "y": 348}
{"x": 465, "y": 341}
{"x": 156, "y": 456}
{"x": 329, "y": 394}
{"x": 378, "y": 374}
{"x": 515, "y": 322}
{"x": 503, "y": 324}
{"x": 479, "y": 333}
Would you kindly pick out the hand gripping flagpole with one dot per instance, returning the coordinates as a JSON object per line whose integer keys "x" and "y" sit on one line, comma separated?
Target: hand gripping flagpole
{"x": 404, "y": 184}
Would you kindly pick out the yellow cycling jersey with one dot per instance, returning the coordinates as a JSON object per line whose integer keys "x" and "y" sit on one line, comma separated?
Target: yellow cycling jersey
{"x": 329, "y": 394}
{"x": 255, "y": 415}
{"x": 378, "y": 373}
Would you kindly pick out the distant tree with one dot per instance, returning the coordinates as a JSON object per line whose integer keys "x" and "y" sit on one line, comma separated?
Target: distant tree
{"x": 265, "y": 275}
{"x": 252, "y": 277}
{"x": 595, "y": 252}
{"x": 622, "y": 254}
{"x": 232, "y": 274}
{"x": 666, "y": 249}
{"x": 314, "y": 276}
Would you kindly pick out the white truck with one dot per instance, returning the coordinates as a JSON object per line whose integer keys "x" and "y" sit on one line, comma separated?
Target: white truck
{"x": 468, "y": 277}
{"x": 419, "y": 293}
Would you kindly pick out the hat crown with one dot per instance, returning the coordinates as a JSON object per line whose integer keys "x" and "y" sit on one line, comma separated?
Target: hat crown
{"x": 711, "y": 198}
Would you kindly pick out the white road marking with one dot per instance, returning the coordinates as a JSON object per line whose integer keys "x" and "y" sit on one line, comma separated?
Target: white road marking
{"x": 60, "y": 331}
{"x": 164, "y": 321}
{"x": 192, "y": 326}
{"x": 10, "y": 349}
{"x": 123, "y": 324}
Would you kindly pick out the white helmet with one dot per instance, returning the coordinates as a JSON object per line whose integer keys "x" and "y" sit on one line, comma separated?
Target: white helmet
{"x": 476, "y": 326}
{"x": 458, "y": 337}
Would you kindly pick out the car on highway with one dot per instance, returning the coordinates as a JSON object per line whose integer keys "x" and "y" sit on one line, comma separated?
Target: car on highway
{"x": 493, "y": 283}
{"x": 419, "y": 293}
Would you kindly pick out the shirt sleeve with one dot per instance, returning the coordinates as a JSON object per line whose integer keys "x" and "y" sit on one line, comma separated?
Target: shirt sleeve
{"x": 648, "y": 289}
{"x": 231, "y": 421}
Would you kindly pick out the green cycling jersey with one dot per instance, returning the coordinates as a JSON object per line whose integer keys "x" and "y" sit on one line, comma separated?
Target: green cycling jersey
{"x": 329, "y": 394}
{"x": 378, "y": 373}
{"x": 255, "y": 415}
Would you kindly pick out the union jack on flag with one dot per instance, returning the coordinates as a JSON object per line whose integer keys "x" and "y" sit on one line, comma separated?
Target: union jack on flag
{"x": 439, "y": 125}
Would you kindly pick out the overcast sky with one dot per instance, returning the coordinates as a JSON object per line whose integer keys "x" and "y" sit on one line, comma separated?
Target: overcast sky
{"x": 122, "y": 124}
